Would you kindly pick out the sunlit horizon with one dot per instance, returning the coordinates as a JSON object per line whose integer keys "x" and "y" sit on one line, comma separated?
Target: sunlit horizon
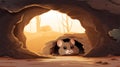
{"x": 57, "y": 22}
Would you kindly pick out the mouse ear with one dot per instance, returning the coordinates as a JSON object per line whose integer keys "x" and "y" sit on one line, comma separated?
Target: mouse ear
{"x": 59, "y": 43}
{"x": 72, "y": 41}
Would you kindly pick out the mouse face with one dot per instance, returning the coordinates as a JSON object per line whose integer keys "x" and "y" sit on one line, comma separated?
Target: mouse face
{"x": 67, "y": 48}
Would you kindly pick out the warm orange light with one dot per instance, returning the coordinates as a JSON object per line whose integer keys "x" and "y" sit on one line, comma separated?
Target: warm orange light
{"x": 51, "y": 25}
{"x": 55, "y": 20}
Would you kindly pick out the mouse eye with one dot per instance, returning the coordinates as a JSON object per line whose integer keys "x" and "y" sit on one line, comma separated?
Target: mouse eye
{"x": 72, "y": 47}
{"x": 64, "y": 47}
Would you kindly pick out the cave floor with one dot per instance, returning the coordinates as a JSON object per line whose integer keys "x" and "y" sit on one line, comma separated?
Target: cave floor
{"x": 62, "y": 61}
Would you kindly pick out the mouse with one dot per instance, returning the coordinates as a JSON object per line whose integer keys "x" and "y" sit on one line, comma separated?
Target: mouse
{"x": 67, "y": 48}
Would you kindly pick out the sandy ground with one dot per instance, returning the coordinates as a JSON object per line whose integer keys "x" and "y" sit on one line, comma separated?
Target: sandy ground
{"x": 62, "y": 61}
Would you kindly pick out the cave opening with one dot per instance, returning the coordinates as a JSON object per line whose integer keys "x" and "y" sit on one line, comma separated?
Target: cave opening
{"x": 50, "y": 26}
{"x": 17, "y": 39}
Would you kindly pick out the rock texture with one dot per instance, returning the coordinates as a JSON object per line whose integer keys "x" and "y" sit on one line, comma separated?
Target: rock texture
{"x": 97, "y": 19}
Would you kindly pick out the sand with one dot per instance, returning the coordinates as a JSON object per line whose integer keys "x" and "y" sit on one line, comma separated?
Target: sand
{"x": 62, "y": 61}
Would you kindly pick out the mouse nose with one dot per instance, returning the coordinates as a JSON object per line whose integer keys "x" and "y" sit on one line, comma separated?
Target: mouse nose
{"x": 69, "y": 51}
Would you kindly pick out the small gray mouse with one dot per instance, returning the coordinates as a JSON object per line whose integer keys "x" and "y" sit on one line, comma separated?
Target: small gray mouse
{"x": 67, "y": 48}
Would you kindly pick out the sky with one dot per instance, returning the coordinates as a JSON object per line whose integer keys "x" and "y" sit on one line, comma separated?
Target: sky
{"x": 55, "y": 19}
